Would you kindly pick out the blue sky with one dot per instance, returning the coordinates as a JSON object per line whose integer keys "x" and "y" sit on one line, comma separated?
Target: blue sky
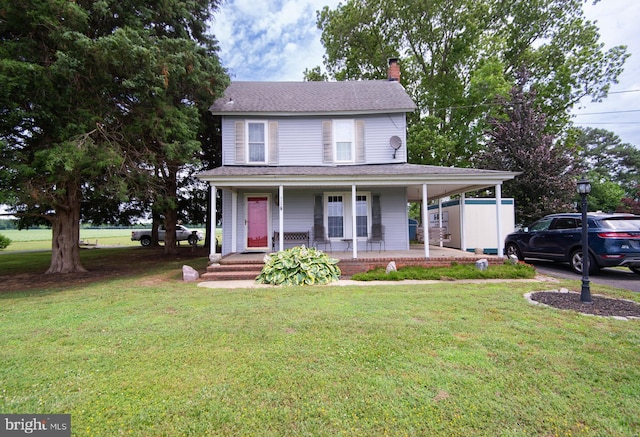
{"x": 278, "y": 40}
{"x": 618, "y": 22}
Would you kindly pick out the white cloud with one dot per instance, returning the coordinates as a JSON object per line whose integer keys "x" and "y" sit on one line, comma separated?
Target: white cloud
{"x": 269, "y": 40}
{"x": 278, "y": 40}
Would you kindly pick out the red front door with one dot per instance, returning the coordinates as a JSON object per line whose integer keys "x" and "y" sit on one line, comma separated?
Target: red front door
{"x": 257, "y": 222}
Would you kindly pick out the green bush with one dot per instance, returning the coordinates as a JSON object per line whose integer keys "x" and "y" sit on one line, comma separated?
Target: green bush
{"x": 4, "y": 241}
{"x": 299, "y": 266}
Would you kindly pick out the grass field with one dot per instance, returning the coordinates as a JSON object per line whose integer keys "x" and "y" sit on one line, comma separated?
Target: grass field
{"x": 145, "y": 354}
{"x": 40, "y": 239}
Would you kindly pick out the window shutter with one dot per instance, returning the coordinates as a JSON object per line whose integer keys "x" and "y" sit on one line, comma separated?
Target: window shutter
{"x": 327, "y": 143}
{"x": 240, "y": 142}
{"x": 360, "y": 153}
{"x": 273, "y": 142}
{"x": 318, "y": 211}
{"x": 376, "y": 211}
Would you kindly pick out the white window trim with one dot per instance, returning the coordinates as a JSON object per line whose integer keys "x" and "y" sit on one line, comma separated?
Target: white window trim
{"x": 265, "y": 126}
{"x": 346, "y": 213}
{"x": 335, "y": 142}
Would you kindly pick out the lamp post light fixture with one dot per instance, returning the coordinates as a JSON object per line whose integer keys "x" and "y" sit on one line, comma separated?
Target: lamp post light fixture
{"x": 584, "y": 188}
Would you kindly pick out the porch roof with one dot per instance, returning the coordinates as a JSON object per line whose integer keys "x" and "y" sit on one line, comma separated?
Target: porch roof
{"x": 441, "y": 181}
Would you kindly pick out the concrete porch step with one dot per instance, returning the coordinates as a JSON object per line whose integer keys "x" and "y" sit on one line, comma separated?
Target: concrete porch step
{"x": 235, "y": 267}
{"x": 230, "y": 275}
{"x": 232, "y": 271}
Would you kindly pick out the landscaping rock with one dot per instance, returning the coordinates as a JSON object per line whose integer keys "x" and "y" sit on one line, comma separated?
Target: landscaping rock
{"x": 482, "y": 264}
{"x": 513, "y": 260}
{"x": 391, "y": 267}
{"x": 189, "y": 274}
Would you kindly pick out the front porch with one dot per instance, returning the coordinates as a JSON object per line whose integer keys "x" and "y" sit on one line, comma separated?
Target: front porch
{"x": 248, "y": 265}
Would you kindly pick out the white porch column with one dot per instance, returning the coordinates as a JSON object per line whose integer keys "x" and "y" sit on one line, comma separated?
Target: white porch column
{"x": 281, "y": 218}
{"x": 499, "y": 219}
{"x": 354, "y": 228}
{"x": 234, "y": 222}
{"x": 463, "y": 237}
{"x": 425, "y": 220}
{"x": 440, "y": 217}
{"x": 212, "y": 226}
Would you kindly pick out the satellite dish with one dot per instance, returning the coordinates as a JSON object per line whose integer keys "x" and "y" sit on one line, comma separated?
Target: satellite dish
{"x": 395, "y": 142}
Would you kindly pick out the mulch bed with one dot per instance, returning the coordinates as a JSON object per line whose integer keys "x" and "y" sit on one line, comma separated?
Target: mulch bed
{"x": 601, "y": 306}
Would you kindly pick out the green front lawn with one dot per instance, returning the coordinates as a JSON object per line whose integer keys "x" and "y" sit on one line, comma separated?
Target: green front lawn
{"x": 149, "y": 355}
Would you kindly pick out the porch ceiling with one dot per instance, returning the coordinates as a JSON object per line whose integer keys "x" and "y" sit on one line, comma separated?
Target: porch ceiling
{"x": 440, "y": 181}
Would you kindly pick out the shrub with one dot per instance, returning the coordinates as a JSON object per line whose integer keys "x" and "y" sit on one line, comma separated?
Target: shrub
{"x": 4, "y": 242}
{"x": 299, "y": 266}
{"x": 455, "y": 271}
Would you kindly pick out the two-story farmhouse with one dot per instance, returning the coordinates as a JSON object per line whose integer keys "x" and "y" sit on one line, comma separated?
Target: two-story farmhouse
{"x": 324, "y": 164}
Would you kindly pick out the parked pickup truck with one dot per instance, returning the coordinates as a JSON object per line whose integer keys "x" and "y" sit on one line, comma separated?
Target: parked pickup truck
{"x": 182, "y": 234}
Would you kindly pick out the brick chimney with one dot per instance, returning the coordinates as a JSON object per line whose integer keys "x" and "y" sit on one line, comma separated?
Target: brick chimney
{"x": 393, "y": 74}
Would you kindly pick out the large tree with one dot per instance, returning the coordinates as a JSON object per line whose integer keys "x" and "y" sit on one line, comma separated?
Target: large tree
{"x": 518, "y": 141}
{"x": 457, "y": 55}
{"x": 609, "y": 159}
{"x": 93, "y": 94}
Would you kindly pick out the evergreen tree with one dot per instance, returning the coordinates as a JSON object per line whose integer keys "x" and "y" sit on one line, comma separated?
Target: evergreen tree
{"x": 95, "y": 95}
{"x": 608, "y": 159}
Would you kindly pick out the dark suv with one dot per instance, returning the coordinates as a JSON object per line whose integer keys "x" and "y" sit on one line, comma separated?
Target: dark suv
{"x": 614, "y": 240}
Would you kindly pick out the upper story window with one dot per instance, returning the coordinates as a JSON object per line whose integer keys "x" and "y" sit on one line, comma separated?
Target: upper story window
{"x": 343, "y": 140}
{"x": 257, "y": 141}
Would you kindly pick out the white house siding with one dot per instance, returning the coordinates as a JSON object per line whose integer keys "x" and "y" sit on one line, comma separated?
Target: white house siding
{"x": 300, "y": 141}
{"x": 300, "y": 138}
{"x": 298, "y": 215}
{"x": 378, "y": 130}
{"x": 298, "y": 210}
{"x": 395, "y": 217}
{"x": 226, "y": 223}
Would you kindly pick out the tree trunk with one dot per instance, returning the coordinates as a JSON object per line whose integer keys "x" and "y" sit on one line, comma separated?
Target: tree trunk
{"x": 65, "y": 244}
{"x": 170, "y": 219}
{"x": 155, "y": 224}
{"x": 170, "y": 214}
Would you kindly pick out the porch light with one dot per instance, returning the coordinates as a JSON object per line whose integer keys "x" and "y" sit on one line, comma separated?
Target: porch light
{"x": 584, "y": 188}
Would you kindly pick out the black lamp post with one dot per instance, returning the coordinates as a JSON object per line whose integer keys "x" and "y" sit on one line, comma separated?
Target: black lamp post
{"x": 584, "y": 188}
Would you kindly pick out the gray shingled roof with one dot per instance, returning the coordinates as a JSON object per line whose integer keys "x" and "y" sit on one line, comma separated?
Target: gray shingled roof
{"x": 440, "y": 181}
{"x": 347, "y": 170}
{"x": 296, "y": 98}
